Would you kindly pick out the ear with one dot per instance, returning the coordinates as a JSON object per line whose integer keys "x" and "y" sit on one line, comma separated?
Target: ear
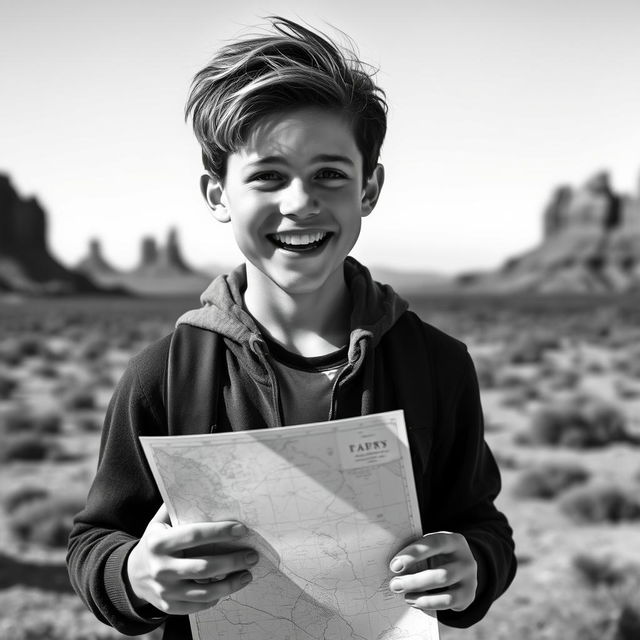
{"x": 371, "y": 190}
{"x": 213, "y": 192}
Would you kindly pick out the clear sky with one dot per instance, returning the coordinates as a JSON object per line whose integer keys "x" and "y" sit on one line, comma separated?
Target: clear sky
{"x": 492, "y": 104}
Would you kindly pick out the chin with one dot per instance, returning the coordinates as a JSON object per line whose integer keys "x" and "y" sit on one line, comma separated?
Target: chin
{"x": 301, "y": 285}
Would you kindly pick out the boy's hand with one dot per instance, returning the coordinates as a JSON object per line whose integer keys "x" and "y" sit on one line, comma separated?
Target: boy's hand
{"x": 450, "y": 582}
{"x": 161, "y": 572}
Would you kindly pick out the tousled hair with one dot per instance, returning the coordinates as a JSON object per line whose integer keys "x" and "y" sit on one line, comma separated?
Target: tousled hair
{"x": 292, "y": 67}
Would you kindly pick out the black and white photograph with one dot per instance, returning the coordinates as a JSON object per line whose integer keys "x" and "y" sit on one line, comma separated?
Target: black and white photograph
{"x": 320, "y": 321}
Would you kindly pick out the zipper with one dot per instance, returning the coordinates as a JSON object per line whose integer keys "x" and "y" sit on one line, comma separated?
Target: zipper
{"x": 348, "y": 369}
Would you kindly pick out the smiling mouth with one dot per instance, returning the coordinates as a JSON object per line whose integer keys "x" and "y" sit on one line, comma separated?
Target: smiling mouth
{"x": 299, "y": 242}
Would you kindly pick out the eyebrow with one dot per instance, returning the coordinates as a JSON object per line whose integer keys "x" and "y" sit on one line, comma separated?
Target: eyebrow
{"x": 323, "y": 157}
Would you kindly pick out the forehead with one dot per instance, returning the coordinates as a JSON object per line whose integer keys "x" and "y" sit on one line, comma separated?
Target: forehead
{"x": 299, "y": 135}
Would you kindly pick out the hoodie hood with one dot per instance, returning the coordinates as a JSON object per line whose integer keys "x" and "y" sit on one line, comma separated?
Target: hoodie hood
{"x": 375, "y": 309}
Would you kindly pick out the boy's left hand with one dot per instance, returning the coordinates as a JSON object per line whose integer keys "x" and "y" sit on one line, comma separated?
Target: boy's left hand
{"x": 451, "y": 580}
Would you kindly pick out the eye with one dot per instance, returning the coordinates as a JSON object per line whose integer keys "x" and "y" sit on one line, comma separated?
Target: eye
{"x": 265, "y": 176}
{"x": 331, "y": 174}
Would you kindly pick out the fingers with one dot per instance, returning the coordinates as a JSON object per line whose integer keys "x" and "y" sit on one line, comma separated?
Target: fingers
{"x": 444, "y": 576}
{"x": 189, "y": 597}
{"x": 209, "y": 567}
{"x": 206, "y": 594}
{"x": 178, "y": 539}
{"x": 450, "y": 582}
{"x": 435, "y": 601}
{"x": 430, "y": 545}
{"x": 189, "y": 567}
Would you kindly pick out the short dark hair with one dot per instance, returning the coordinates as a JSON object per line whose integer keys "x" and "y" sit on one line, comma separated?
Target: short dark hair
{"x": 292, "y": 67}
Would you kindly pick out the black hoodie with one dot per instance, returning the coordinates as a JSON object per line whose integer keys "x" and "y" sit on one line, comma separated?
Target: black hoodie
{"x": 214, "y": 374}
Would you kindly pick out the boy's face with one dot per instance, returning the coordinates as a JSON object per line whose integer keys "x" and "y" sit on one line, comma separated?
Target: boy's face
{"x": 295, "y": 197}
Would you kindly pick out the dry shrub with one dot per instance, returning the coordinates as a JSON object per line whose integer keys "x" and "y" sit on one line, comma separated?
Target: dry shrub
{"x": 94, "y": 348}
{"x": 102, "y": 378}
{"x": 549, "y": 479}
{"x": 517, "y": 398}
{"x": 563, "y": 379}
{"x": 600, "y": 503}
{"x": 626, "y": 389}
{"x": 486, "y": 372}
{"x": 506, "y": 460}
{"x": 28, "y": 447}
{"x": 616, "y": 584}
{"x": 31, "y": 345}
{"x": 24, "y": 420}
{"x": 8, "y": 384}
{"x": 23, "y": 495}
{"x": 47, "y": 370}
{"x": 530, "y": 348}
{"x": 580, "y": 422}
{"x": 79, "y": 399}
{"x": 88, "y": 424}
{"x": 48, "y": 521}
{"x": 627, "y": 623}
{"x": 604, "y": 570}
{"x": 629, "y": 362}
{"x": 10, "y": 354}
{"x": 510, "y": 379}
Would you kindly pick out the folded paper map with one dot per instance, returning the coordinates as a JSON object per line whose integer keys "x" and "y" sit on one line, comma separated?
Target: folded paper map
{"x": 327, "y": 506}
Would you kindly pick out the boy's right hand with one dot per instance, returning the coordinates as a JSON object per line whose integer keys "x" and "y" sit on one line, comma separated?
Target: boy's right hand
{"x": 161, "y": 573}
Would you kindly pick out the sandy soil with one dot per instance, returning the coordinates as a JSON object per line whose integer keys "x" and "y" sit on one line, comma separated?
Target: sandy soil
{"x": 59, "y": 361}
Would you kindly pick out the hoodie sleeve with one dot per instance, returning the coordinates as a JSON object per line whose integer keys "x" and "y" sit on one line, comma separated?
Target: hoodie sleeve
{"x": 466, "y": 482}
{"x": 122, "y": 499}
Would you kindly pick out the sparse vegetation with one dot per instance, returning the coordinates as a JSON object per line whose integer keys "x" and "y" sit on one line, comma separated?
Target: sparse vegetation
{"x": 80, "y": 398}
{"x": 530, "y": 348}
{"x": 72, "y": 348}
{"x": 8, "y": 384}
{"x": 628, "y": 362}
{"x": 28, "y": 447}
{"x": 23, "y": 420}
{"x": 518, "y": 397}
{"x": 601, "y": 503}
{"x": 22, "y": 496}
{"x": 549, "y": 479}
{"x": 580, "y": 422}
{"x": 599, "y": 570}
{"x": 46, "y": 521}
{"x": 486, "y": 372}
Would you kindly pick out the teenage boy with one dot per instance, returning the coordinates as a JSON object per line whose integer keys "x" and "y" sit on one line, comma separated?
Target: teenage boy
{"x": 291, "y": 128}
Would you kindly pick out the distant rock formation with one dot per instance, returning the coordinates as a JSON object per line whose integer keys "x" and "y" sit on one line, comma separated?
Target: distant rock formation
{"x": 163, "y": 261}
{"x": 26, "y": 265}
{"x": 160, "y": 270}
{"x": 148, "y": 254}
{"x": 94, "y": 265}
{"x": 591, "y": 244}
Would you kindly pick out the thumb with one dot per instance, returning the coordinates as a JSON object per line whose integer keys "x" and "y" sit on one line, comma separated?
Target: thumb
{"x": 161, "y": 516}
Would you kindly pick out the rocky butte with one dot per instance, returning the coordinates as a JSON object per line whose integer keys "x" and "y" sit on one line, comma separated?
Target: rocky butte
{"x": 590, "y": 244}
{"x": 26, "y": 265}
{"x": 161, "y": 270}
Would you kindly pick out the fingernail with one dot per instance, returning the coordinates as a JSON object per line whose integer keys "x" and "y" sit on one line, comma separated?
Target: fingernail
{"x": 245, "y": 578}
{"x": 396, "y": 565}
{"x": 251, "y": 557}
{"x": 395, "y": 585}
{"x": 238, "y": 530}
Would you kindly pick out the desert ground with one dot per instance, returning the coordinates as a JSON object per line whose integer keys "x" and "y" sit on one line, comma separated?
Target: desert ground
{"x": 560, "y": 381}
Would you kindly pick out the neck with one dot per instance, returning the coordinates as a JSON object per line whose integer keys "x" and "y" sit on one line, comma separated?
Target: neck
{"x": 310, "y": 324}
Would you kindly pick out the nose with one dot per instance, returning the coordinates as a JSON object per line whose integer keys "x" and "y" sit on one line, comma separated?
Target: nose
{"x": 298, "y": 201}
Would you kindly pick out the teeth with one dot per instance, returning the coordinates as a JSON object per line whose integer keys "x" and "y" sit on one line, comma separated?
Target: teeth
{"x": 299, "y": 239}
